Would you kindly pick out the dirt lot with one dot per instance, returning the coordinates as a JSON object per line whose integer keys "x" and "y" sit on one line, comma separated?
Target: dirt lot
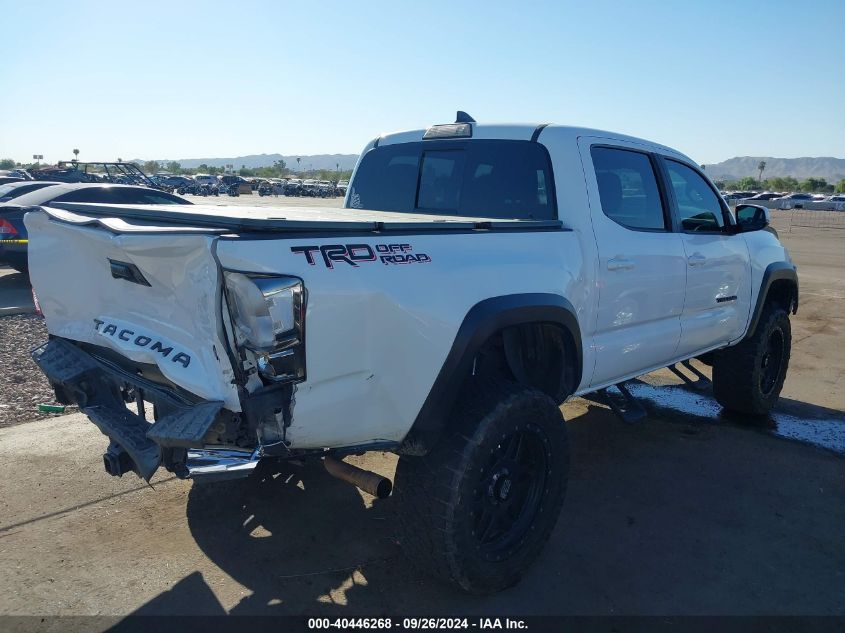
{"x": 687, "y": 513}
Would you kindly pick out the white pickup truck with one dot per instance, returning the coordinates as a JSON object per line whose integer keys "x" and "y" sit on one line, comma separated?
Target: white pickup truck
{"x": 478, "y": 276}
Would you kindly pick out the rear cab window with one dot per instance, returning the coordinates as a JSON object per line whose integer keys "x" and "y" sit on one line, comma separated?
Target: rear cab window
{"x": 466, "y": 178}
{"x": 628, "y": 188}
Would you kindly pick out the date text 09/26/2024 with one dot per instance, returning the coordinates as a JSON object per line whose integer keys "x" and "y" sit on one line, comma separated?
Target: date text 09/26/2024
{"x": 315, "y": 624}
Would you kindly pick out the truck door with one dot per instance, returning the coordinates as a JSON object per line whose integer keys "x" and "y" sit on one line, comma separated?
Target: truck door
{"x": 718, "y": 297}
{"x": 642, "y": 266}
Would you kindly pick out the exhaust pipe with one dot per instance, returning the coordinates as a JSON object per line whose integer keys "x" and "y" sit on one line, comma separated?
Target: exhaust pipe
{"x": 366, "y": 480}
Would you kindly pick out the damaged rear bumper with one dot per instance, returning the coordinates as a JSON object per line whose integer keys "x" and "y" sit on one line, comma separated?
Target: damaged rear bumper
{"x": 174, "y": 440}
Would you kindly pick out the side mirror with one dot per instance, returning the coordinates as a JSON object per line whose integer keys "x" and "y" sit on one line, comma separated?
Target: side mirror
{"x": 752, "y": 217}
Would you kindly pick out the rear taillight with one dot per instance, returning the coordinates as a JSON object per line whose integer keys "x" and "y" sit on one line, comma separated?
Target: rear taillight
{"x": 6, "y": 229}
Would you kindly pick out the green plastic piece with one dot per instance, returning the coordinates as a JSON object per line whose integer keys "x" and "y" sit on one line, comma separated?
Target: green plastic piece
{"x": 51, "y": 408}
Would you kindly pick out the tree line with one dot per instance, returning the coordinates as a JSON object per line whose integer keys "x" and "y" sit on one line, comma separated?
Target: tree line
{"x": 278, "y": 169}
{"x": 782, "y": 183}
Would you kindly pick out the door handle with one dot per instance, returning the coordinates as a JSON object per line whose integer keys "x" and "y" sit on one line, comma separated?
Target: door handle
{"x": 696, "y": 259}
{"x": 619, "y": 263}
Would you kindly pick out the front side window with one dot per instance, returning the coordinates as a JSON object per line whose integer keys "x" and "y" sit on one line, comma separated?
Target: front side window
{"x": 628, "y": 188}
{"x": 469, "y": 178}
{"x": 698, "y": 205}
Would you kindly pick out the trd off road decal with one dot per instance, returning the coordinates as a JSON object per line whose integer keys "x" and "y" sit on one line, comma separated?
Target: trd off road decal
{"x": 354, "y": 254}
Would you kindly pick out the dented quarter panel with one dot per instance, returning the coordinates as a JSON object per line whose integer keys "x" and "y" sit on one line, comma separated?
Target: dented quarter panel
{"x": 395, "y": 323}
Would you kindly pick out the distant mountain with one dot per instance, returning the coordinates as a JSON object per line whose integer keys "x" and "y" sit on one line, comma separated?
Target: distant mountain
{"x": 317, "y": 161}
{"x": 831, "y": 169}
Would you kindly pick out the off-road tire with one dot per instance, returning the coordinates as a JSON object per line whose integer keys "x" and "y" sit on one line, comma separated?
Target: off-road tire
{"x": 740, "y": 381}
{"x": 444, "y": 497}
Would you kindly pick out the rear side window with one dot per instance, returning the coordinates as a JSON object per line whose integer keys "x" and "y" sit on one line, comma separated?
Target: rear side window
{"x": 628, "y": 188}
{"x": 119, "y": 195}
{"x": 10, "y": 192}
{"x": 698, "y": 205}
{"x": 472, "y": 178}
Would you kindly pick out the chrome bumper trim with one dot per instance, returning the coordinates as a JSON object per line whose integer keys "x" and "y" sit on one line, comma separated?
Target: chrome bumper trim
{"x": 217, "y": 465}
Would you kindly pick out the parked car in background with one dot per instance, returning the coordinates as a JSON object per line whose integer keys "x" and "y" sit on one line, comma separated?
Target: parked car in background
{"x": 227, "y": 181}
{"x": 7, "y": 179}
{"x": 739, "y": 195}
{"x": 13, "y": 236}
{"x": 836, "y": 202}
{"x": 325, "y": 189}
{"x": 205, "y": 179}
{"x": 13, "y": 190}
{"x": 796, "y": 196}
{"x": 172, "y": 180}
{"x": 293, "y": 187}
{"x": 342, "y": 186}
{"x": 766, "y": 195}
{"x": 794, "y": 200}
{"x": 23, "y": 174}
{"x": 278, "y": 185}
{"x": 309, "y": 187}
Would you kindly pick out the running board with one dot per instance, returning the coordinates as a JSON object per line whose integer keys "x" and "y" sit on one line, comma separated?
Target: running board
{"x": 629, "y": 409}
{"x": 700, "y": 383}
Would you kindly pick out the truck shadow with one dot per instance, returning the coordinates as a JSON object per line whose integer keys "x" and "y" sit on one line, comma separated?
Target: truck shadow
{"x": 293, "y": 535}
{"x": 660, "y": 518}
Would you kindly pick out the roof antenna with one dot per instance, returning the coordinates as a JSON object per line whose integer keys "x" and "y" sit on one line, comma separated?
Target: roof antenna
{"x": 463, "y": 117}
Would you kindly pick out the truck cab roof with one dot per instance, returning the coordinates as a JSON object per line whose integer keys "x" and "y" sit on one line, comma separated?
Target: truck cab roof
{"x": 522, "y": 132}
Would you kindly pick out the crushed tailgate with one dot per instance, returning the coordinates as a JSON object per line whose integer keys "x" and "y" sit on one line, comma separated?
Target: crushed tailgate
{"x": 153, "y": 298}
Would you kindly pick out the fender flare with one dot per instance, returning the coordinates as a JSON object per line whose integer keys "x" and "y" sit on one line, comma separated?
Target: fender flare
{"x": 776, "y": 271}
{"x": 482, "y": 321}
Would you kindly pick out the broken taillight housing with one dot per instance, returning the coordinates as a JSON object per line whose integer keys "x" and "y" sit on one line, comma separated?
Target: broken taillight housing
{"x": 6, "y": 229}
{"x": 268, "y": 315}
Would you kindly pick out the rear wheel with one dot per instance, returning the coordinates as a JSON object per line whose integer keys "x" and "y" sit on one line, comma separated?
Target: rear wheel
{"x": 479, "y": 507}
{"x": 748, "y": 377}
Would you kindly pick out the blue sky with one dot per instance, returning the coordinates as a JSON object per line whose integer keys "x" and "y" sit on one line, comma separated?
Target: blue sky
{"x": 186, "y": 79}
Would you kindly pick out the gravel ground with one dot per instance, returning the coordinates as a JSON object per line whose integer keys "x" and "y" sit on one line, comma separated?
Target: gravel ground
{"x": 22, "y": 385}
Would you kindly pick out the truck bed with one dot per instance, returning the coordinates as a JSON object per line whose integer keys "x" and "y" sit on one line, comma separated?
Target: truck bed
{"x": 220, "y": 218}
